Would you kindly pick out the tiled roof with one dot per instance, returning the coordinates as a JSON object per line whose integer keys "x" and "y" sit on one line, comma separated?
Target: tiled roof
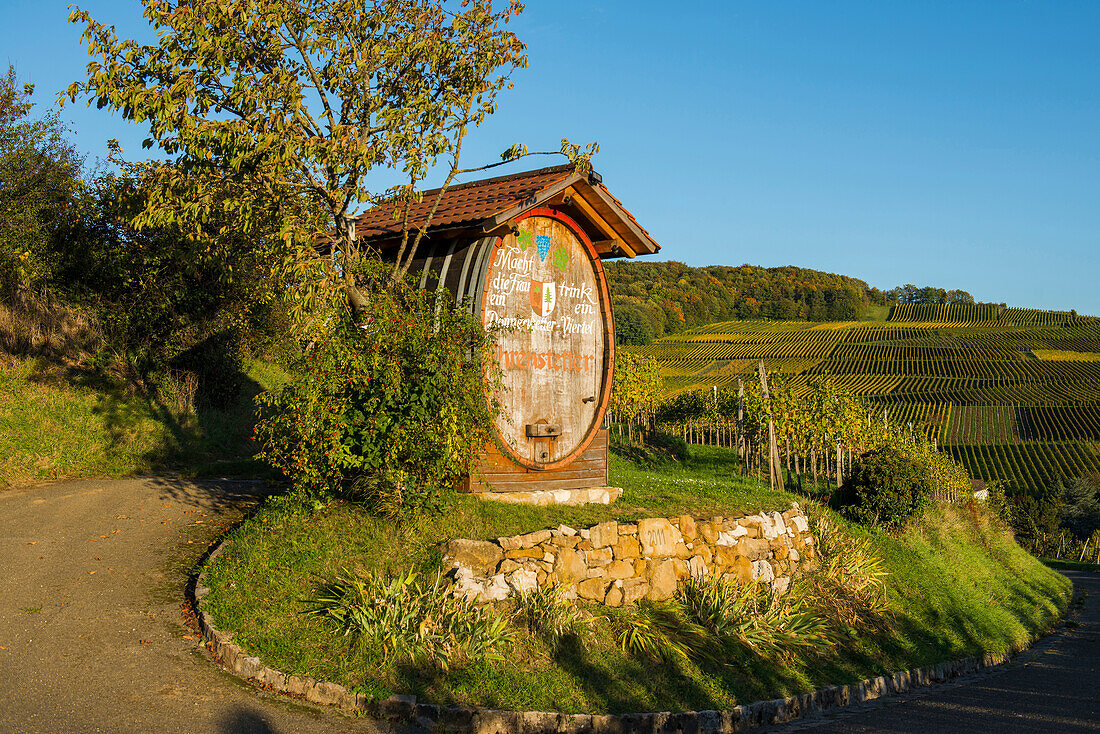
{"x": 465, "y": 203}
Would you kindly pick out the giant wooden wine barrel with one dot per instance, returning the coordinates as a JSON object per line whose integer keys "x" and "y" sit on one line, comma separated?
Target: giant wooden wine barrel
{"x": 542, "y": 288}
{"x": 545, "y": 287}
{"x": 519, "y": 252}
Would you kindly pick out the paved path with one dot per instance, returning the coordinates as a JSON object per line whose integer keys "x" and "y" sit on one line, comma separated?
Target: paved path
{"x": 92, "y": 639}
{"x": 1054, "y": 687}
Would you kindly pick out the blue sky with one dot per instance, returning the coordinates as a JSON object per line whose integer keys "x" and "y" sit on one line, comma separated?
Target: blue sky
{"x": 936, "y": 143}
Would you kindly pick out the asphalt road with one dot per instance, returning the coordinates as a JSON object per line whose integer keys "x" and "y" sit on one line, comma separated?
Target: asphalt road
{"x": 92, "y": 638}
{"x": 1054, "y": 687}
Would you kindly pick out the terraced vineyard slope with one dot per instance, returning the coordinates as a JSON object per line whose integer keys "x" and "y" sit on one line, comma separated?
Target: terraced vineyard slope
{"x": 1013, "y": 394}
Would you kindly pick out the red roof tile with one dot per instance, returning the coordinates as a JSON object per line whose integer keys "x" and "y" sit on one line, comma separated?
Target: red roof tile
{"x": 465, "y": 203}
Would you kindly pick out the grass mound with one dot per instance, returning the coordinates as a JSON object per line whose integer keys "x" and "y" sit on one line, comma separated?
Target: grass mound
{"x": 955, "y": 585}
{"x": 59, "y": 422}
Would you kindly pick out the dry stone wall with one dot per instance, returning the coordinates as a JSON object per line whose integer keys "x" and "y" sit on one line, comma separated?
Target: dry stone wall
{"x": 620, "y": 563}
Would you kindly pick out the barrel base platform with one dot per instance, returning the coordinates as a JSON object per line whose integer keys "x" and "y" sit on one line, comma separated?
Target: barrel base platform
{"x": 498, "y": 475}
{"x": 589, "y": 496}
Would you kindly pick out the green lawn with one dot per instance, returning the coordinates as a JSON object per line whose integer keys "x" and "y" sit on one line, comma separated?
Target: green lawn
{"x": 959, "y": 586}
{"x": 58, "y": 423}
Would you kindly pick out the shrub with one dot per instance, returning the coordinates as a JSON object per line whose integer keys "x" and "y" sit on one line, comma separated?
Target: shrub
{"x": 659, "y": 631}
{"x": 1080, "y": 512}
{"x": 711, "y": 619}
{"x": 405, "y": 619}
{"x": 392, "y": 412}
{"x": 657, "y": 448}
{"x": 886, "y": 488}
{"x": 671, "y": 446}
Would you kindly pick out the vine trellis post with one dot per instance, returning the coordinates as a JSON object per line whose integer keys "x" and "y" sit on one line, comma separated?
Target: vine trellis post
{"x": 773, "y": 449}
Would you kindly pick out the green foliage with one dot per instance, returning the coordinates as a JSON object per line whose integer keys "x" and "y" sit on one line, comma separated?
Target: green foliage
{"x": 634, "y": 387}
{"x": 1081, "y": 506}
{"x": 947, "y": 478}
{"x": 887, "y": 488}
{"x": 294, "y": 99}
{"x": 655, "y": 448}
{"x": 158, "y": 291}
{"x": 404, "y": 618}
{"x": 1035, "y": 515}
{"x": 394, "y": 412}
{"x": 632, "y": 325}
{"x": 927, "y": 296}
{"x": 660, "y": 631}
{"x": 712, "y": 619}
{"x": 636, "y": 384}
{"x": 39, "y": 170}
{"x": 667, "y": 445}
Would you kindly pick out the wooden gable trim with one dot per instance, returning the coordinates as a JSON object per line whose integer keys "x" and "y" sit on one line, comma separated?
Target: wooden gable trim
{"x": 607, "y": 228}
{"x": 594, "y": 196}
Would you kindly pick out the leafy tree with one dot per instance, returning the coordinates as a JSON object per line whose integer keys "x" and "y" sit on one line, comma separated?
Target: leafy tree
{"x": 1034, "y": 516}
{"x": 1080, "y": 511}
{"x": 257, "y": 101}
{"x": 307, "y": 97}
{"x": 632, "y": 326}
{"x": 932, "y": 295}
{"x": 38, "y": 172}
{"x": 959, "y": 297}
{"x": 928, "y": 295}
{"x": 159, "y": 291}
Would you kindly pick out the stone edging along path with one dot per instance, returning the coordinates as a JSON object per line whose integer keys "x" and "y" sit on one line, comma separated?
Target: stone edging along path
{"x": 464, "y": 720}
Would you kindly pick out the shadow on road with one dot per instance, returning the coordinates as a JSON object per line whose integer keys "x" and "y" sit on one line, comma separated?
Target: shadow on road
{"x": 242, "y": 720}
{"x": 212, "y": 493}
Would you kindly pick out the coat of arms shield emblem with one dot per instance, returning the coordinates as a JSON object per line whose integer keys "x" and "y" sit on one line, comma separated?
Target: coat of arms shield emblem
{"x": 543, "y": 297}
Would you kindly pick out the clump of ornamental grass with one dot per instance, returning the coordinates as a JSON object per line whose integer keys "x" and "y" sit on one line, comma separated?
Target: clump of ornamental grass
{"x": 751, "y": 618}
{"x": 547, "y": 612}
{"x": 848, "y": 587}
{"x": 660, "y": 631}
{"x": 406, "y": 619}
{"x": 712, "y": 620}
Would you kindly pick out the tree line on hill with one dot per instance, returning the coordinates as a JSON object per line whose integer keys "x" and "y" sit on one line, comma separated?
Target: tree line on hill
{"x": 653, "y": 299}
{"x": 926, "y": 296}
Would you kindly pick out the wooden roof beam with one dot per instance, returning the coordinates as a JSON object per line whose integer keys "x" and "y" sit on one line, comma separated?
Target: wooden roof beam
{"x": 600, "y": 223}
{"x": 641, "y": 241}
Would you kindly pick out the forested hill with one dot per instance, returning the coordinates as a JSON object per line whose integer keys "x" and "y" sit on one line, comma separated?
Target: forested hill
{"x": 652, "y": 299}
